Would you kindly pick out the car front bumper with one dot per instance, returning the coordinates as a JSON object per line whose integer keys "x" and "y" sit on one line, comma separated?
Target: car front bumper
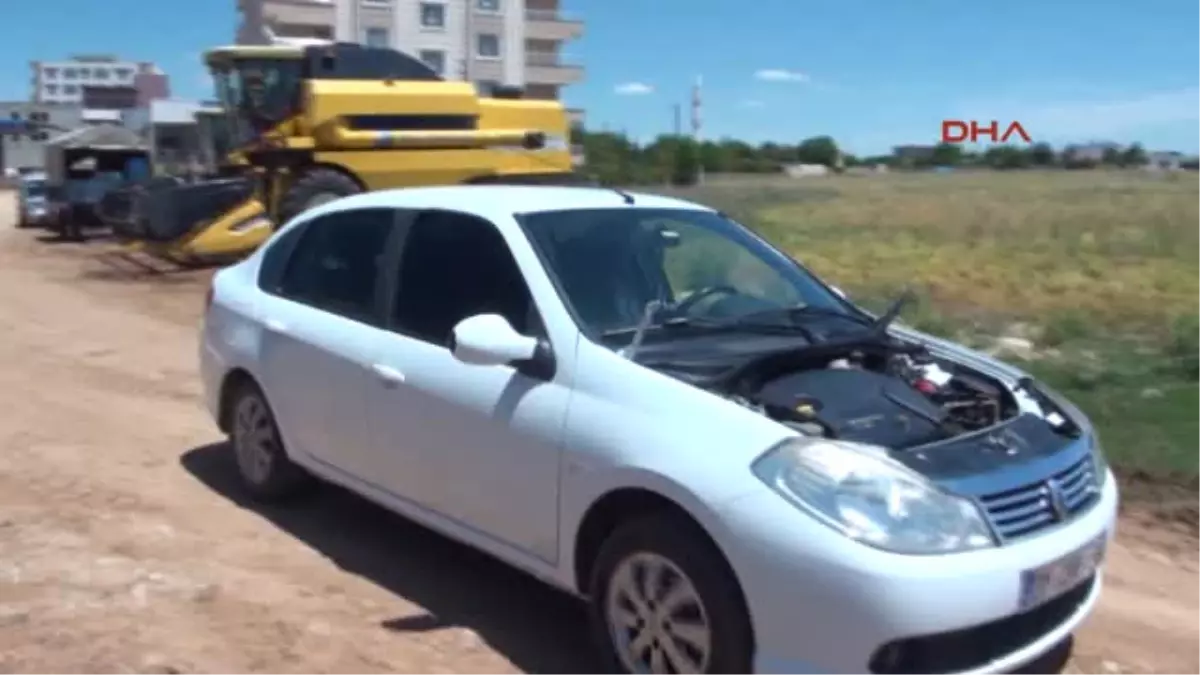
{"x": 820, "y": 602}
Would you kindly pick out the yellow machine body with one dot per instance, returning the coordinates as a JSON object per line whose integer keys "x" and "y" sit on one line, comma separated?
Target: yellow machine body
{"x": 375, "y": 132}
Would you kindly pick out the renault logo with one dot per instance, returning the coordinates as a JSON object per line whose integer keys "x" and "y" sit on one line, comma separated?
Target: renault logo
{"x": 1055, "y": 495}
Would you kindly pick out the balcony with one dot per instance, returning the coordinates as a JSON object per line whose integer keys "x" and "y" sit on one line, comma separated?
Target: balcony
{"x": 550, "y": 24}
{"x": 298, "y": 12}
{"x": 548, "y": 68}
{"x": 576, "y": 116}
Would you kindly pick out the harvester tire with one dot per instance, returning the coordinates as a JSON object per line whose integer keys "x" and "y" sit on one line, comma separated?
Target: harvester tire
{"x": 314, "y": 188}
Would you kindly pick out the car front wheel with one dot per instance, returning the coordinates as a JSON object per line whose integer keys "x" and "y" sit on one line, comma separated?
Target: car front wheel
{"x": 262, "y": 462}
{"x": 663, "y": 600}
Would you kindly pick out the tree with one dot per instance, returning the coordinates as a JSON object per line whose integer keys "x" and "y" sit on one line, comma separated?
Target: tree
{"x": 1042, "y": 155}
{"x": 1006, "y": 157}
{"x": 686, "y": 165}
{"x": 818, "y": 150}
{"x": 946, "y": 154}
{"x": 1111, "y": 156}
{"x": 1134, "y": 155}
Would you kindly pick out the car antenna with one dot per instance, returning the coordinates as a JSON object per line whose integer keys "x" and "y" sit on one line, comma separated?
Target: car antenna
{"x": 624, "y": 195}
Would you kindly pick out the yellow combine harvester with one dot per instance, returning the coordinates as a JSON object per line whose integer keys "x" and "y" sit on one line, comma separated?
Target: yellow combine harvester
{"x": 305, "y": 125}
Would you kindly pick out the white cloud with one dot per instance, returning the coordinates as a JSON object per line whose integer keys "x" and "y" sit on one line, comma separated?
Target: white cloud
{"x": 780, "y": 75}
{"x": 633, "y": 89}
{"x": 751, "y": 103}
{"x": 1083, "y": 120}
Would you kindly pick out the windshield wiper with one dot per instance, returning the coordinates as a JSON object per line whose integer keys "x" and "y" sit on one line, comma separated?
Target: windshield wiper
{"x": 762, "y": 318}
{"x": 741, "y": 324}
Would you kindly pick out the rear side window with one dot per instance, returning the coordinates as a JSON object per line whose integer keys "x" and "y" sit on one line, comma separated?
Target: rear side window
{"x": 336, "y": 263}
{"x": 275, "y": 258}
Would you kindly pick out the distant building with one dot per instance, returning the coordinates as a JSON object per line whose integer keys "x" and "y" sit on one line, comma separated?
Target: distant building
{"x": 65, "y": 81}
{"x": 27, "y": 149}
{"x": 510, "y": 42}
{"x": 1165, "y": 161}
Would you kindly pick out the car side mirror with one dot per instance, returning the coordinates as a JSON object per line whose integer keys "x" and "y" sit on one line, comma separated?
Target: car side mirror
{"x": 489, "y": 340}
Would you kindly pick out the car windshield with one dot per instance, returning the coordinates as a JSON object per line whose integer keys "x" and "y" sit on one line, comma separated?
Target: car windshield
{"x": 612, "y": 263}
{"x": 35, "y": 189}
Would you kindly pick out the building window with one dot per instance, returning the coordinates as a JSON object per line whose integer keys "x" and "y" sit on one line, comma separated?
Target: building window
{"x": 101, "y": 73}
{"x": 489, "y": 6}
{"x": 69, "y": 73}
{"x": 487, "y": 46}
{"x": 84, "y": 73}
{"x": 123, "y": 73}
{"x": 50, "y": 73}
{"x": 377, "y": 37}
{"x": 52, "y": 89}
{"x": 70, "y": 89}
{"x": 435, "y": 59}
{"x": 433, "y": 15}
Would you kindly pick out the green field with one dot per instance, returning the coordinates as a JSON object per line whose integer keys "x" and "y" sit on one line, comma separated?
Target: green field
{"x": 1099, "y": 269}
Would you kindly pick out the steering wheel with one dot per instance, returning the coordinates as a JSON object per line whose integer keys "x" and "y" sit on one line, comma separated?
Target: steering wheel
{"x": 708, "y": 291}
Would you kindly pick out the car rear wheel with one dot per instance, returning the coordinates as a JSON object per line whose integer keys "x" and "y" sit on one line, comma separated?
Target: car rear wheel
{"x": 262, "y": 462}
{"x": 663, "y": 600}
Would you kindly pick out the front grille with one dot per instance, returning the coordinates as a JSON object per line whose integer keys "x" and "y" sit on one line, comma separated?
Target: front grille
{"x": 1029, "y": 508}
{"x": 971, "y": 647}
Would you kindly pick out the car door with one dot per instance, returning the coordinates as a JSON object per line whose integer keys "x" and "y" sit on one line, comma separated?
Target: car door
{"x": 320, "y": 316}
{"x": 478, "y": 444}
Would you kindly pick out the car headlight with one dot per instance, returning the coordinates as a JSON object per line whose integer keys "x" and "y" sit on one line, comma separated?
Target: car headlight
{"x": 863, "y": 493}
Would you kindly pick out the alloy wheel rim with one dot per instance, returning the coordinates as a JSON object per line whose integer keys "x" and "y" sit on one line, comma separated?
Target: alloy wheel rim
{"x": 656, "y": 619}
{"x": 254, "y": 439}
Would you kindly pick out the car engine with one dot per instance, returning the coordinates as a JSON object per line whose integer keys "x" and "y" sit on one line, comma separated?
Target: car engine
{"x": 896, "y": 400}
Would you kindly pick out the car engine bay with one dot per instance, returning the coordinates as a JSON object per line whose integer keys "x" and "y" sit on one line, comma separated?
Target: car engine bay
{"x": 876, "y": 390}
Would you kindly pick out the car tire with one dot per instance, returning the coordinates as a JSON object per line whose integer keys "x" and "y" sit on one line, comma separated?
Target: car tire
{"x": 257, "y": 446}
{"x": 695, "y": 619}
{"x": 313, "y": 189}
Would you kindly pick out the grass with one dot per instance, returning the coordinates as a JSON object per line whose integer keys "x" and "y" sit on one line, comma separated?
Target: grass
{"x": 1100, "y": 267}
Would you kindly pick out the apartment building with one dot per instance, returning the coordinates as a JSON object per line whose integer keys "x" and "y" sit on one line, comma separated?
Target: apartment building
{"x": 78, "y": 78}
{"x": 490, "y": 42}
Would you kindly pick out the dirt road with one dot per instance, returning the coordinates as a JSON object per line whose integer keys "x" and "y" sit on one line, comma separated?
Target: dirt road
{"x": 123, "y": 545}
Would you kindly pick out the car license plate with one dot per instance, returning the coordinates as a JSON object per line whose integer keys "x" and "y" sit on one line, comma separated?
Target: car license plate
{"x": 1059, "y": 576}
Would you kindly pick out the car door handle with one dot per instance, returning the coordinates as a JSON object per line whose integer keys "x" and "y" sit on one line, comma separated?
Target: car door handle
{"x": 387, "y": 374}
{"x": 276, "y": 326}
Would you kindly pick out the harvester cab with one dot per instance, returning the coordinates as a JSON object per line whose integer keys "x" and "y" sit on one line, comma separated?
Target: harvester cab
{"x": 303, "y": 125}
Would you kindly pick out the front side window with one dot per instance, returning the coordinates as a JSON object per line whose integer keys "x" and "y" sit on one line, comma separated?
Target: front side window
{"x": 490, "y": 6}
{"x": 611, "y": 263}
{"x": 455, "y": 266}
{"x": 337, "y": 261}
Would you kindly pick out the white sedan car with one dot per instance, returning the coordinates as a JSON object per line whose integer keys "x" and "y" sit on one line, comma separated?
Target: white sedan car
{"x": 638, "y": 400}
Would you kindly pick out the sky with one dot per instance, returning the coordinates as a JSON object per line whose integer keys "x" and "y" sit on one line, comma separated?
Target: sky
{"x": 870, "y": 73}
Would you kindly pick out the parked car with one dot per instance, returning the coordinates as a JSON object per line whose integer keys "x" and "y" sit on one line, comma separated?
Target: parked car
{"x": 32, "y": 207}
{"x": 640, "y": 401}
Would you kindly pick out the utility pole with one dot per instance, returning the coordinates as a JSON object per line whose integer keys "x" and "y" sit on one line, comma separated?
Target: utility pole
{"x": 697, "y": 125}
{"x": 467, "y": 42}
